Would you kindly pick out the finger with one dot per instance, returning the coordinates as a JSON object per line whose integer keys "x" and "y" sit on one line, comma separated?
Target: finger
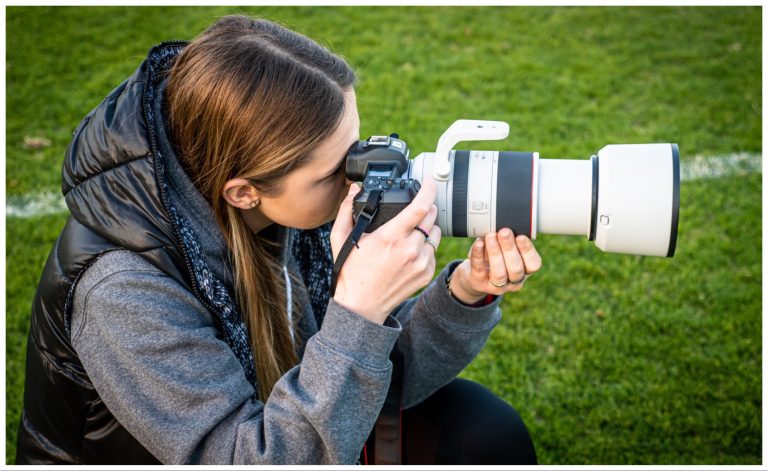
{"x": 498, "y": 270}
{"x": 512, "y": 259}
{"x": 531, "y": 257}
{"x": 477, "y": 260}
{"x": 416, "y": 212}
{"x": 344, "y": 221}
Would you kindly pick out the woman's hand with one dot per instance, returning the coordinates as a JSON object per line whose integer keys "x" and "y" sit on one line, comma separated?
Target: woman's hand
{"x": 497, "y": 264}
{"x": 392, "y": 262}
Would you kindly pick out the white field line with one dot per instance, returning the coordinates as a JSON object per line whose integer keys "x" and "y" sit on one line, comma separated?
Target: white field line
{"x": 700, "y": 167}
{"x": 697, "y": 168}
{"x": 40, "y": 204}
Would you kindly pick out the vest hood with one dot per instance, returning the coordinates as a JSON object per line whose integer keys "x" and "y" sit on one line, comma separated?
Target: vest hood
{"x": 110, "y": 176}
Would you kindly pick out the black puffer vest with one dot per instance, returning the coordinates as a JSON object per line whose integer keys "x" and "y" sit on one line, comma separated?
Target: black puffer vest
{"x": 115, "y": 187}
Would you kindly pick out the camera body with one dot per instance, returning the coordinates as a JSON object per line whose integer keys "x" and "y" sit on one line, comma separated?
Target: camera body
{"x": 380, "y": 162}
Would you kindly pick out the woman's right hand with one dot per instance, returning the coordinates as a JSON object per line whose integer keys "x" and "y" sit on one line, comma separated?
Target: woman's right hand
{"x": 392, "y": 262}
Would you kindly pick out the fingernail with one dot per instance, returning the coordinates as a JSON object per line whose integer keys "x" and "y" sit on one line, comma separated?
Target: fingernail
{"x": 523, "y": 242}
{"x": 505, "y": 233}
{"x": 491, "y": 238}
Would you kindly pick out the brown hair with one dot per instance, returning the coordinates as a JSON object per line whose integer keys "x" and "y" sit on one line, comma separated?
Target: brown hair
{"x": 251, "y": 99}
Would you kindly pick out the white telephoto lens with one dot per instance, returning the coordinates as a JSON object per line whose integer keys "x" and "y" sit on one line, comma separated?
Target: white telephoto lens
{"x": 626, "y": 198}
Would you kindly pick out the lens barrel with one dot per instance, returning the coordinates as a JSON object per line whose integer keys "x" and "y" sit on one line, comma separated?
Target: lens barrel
{"x": 626, "y": 198}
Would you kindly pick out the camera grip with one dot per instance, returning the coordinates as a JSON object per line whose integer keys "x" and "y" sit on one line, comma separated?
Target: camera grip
{"x": 386, "y": 212}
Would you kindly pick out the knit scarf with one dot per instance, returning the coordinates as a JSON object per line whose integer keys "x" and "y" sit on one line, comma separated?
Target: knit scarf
{"x": 312, "y": 252}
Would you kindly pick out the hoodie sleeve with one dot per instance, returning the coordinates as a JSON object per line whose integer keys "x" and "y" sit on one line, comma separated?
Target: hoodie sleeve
{"x": 153, "y": 355}
{"x": 441, "y": 336}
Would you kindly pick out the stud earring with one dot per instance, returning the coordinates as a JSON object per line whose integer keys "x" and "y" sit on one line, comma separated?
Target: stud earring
{"x": 254, "y": 203}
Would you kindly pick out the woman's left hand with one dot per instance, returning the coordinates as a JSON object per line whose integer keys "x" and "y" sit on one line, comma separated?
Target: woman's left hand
{"x": 497, "y": 264}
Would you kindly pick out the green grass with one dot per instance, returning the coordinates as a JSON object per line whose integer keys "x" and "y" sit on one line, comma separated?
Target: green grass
{"x": 610, "y": 359}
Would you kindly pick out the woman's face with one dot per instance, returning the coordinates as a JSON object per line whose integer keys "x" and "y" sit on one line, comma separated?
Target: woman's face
{"x": 311, "y": 195}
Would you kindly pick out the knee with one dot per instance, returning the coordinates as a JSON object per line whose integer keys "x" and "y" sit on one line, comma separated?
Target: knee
{"x": 465, "y": 423}
{"x": 496, "y": 434}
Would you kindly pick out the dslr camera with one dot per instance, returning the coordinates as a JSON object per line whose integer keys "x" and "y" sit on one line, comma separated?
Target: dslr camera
{"x": 626, "y": 198}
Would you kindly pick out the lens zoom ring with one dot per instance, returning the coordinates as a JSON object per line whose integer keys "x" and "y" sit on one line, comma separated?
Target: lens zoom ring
{"x": 513, "y": 192}
{"x": 460, "y": 181}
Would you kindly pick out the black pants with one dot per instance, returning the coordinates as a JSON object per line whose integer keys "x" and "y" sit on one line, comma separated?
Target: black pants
{"x": 465, "y": 423}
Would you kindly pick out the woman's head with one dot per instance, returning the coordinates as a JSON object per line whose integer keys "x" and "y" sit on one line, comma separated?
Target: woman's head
{"x": 254, "y": 102}
{"x": 260, "y": 116}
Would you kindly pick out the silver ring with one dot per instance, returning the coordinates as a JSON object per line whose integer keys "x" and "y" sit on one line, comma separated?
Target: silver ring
{"x": 431, "y": 242}
{"x": 520, "y": 281}
{"x": 501, "y": 285}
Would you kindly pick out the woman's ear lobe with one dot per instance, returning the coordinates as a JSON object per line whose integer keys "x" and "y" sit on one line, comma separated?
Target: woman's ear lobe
{"x": 240, "y": 193}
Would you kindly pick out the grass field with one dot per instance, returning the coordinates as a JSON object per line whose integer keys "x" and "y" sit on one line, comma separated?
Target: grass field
{"x": 611, "y": 359}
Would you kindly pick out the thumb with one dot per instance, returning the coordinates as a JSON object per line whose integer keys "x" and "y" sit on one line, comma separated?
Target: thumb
{"x": 344, "y": 222}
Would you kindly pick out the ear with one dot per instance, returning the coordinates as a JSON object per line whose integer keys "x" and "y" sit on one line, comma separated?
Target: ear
{"x": 240, "y": 193}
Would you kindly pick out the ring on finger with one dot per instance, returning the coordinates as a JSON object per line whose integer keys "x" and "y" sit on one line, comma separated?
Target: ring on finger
{"x": 431, "y": 242}
{"x": 423, "y": 231}
{"x": 521, "y": 280}
{"x": 499, "y": 285}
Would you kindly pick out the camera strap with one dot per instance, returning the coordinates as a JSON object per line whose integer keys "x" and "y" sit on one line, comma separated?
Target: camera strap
{"x": 363, "y": 220}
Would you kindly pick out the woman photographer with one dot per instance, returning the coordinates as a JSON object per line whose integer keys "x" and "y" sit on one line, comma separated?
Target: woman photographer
{"x": 184, "y": 314}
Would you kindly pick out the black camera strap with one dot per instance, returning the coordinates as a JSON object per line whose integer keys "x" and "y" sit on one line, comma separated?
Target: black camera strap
{"x": 363, "y": 220}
